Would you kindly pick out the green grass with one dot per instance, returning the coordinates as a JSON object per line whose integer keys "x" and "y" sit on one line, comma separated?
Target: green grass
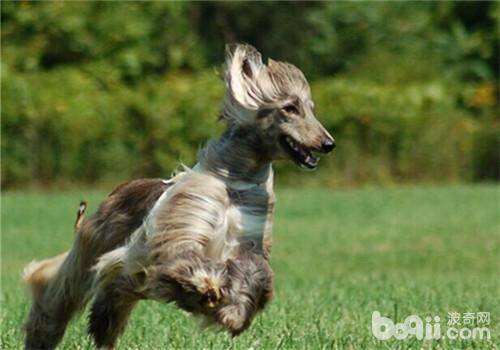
{"x": 338, "y": 256}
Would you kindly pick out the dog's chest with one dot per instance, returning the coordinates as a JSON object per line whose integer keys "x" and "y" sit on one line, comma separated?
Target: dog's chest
{"x": 249, "y": 216}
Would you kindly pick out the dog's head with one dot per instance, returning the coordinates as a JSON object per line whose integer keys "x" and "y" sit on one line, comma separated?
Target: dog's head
{"x": 273, "y": 99}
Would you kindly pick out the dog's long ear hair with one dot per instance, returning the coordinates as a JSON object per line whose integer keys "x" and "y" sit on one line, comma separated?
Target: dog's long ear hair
{"x": 246, "y": 78}
{"x": 244, "y": 67}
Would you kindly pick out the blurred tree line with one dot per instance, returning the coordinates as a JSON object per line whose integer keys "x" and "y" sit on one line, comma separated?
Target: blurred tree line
{"x": 105, "y": 91}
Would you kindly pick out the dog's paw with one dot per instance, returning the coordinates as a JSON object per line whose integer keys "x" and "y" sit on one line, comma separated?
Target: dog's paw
{"x": 233, "y": 318}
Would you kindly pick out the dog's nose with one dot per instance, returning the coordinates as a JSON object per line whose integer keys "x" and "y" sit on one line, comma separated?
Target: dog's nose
{"x": 328, "y": 145}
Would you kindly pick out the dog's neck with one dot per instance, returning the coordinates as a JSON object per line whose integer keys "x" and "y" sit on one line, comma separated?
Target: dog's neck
{"x": 237, "y": 157}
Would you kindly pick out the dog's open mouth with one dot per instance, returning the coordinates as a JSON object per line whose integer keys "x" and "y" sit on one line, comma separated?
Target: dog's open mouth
{"x": 300, "y": 154}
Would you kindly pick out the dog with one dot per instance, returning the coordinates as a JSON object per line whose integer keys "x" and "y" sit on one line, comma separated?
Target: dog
{"x": 201, "y": 239}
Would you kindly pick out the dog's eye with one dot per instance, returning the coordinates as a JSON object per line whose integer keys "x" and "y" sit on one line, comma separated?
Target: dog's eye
{"x": 291, "y": 109}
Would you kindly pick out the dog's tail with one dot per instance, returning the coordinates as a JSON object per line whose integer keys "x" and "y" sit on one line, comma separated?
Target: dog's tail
{"x": 59, "y": 288}
{"x": 79, "y": 215}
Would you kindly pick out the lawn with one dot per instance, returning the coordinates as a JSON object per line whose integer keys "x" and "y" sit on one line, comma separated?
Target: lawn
{"x": 338, "y": 256}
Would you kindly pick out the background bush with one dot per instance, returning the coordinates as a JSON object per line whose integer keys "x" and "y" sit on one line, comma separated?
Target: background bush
{"x": 101, "y": 91}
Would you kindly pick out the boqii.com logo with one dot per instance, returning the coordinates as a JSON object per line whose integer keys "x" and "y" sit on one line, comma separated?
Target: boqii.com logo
{"x": 469, "y": 325}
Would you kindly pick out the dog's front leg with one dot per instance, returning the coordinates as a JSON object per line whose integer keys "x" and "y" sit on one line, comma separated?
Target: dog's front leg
{"x": 249, "y": 289}
{"x": 189, "y": 279}
{"x": 110, "y": 312}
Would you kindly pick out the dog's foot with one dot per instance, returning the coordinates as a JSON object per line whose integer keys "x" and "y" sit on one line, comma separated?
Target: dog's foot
{"x": 210, "y": 289}
{"x": 233, "y": 318}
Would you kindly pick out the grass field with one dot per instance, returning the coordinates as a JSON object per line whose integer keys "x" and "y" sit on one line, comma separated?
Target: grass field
{"x": 338, "y": 256}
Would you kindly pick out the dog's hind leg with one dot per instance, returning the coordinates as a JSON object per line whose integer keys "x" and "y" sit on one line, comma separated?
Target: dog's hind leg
{"x": 47, "y": 320}
{"x": 53, "y": 303}
{"x": 61, "y": 286}
{"x": 110, "y": 313}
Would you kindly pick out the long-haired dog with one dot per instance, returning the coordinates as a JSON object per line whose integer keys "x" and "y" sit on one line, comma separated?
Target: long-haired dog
{"x": 201, "y": 239}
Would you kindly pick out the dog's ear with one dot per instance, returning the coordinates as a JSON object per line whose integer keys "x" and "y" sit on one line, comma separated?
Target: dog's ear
{"x": 244, "y": 68}
{"x": 244, "y": 59}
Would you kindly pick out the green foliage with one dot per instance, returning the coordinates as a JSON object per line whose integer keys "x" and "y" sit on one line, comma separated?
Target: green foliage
{"x": 338, "y": 256}
{"x": 395, "y": 131}
{"x": 103, "y": 91}
{"x": 78, "y": 129}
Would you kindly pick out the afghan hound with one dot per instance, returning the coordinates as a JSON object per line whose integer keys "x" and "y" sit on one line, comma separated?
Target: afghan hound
{"x": 201, "y": 239}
